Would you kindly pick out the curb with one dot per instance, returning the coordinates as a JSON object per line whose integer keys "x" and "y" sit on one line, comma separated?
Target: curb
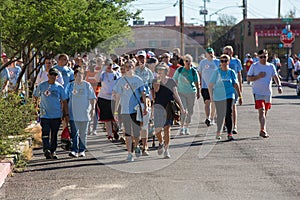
{"x": 6, "y": 165}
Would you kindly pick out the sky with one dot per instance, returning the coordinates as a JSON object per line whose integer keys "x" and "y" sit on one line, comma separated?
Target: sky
{"x": 156, "y": 10}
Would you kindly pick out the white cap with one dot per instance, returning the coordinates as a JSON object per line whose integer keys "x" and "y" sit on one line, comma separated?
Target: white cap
{"x": 141, "y": 53}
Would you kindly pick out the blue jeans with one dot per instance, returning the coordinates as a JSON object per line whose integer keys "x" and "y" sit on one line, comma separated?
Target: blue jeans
{"x": 82, "y": 130}
{"x": 74, "y": 136}
{"x": 50, "y": 129}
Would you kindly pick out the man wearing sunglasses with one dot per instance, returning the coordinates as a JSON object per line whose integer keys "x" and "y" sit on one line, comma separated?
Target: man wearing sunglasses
{"x": 261, "y": 74}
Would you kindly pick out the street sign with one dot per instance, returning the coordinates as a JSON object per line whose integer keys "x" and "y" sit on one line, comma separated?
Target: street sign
{"x": 287, "y": 19}
{"x": 287, "y": 40}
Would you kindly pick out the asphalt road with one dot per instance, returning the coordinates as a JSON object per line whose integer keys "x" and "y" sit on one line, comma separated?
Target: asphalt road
{"x": 200, "y": 167}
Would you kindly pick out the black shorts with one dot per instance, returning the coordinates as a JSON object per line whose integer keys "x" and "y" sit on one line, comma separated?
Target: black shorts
{"x": 106, "y": 107}
{"x": 205, "y": 94}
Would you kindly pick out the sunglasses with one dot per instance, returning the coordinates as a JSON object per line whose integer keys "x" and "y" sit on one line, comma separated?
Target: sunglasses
{"x": 262, "y": 57}
{"x": 187, "y": 61}
{"x": 223, "y": 61}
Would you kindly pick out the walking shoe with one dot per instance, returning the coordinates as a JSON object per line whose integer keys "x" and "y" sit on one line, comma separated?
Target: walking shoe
{"x": 160, "y": 149}
{"x": 224, "y": 129}
{"x": 94, "y": 132}
{"x": 54, "y": 156}
{"x": 182, "y": 131}
{"x": 138, "y": 152}
{"x": 110, "y": 137}
{"x": 218, "y": 136}
{"x": 47, "y": 154}
{"x": 122, "y": 140}
{"x": 82, "y": 154}
{"x": 187, "y": 131}
{"x": 73, "y": 154}
{"x": 234, "y": 131}
{"x": 230, "y": 137}
{"x": 145, "y": 152}
{"x": 207, "y": 122}
{"x": 263, "y": 134}
{"x": 212, "y": 122}
{"x": 130, "y": 158}
{"x": 167, "y": 154}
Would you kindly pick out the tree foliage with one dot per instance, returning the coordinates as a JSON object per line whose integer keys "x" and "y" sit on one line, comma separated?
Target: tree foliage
{"x": 39, "y": 27}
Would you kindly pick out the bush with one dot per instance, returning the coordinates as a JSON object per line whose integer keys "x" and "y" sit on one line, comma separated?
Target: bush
{"x": 15, "y": 116}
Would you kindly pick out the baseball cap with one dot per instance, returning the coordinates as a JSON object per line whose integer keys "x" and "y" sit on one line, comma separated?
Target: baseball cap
{"x": 108, "y": 61}
{"x": 141, "y": 53}
{"x": 53, "y": 71}
{"x": 3, "y": 55}
{"x": 210, "y": 50}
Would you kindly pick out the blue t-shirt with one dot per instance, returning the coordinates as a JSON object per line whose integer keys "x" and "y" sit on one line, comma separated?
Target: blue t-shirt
{"x": 51, "y": 96}
{"x": 14, "y": 73}
{"x": 290, "y": 63}
{"x": 79, "y": 100}
{"x": 4, "y": 76}
{"x": 67, "y": 74}
{"x": 235, "y": 65}
{"x": 128, "y": 101}
{"x": 223, "y": 84}
{"x": 186, "y": 80}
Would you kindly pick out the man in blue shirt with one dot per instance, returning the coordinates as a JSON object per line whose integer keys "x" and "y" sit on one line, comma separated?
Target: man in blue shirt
{"x": 53, "y": 106}
{"x": 62, "y": 67}
{"x": 290, "y": 68}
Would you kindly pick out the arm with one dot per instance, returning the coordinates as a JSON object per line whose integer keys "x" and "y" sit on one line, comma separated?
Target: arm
{"x": 145, "y": 102}
{"x": 92, "y": 103}
{"x": 278, "y": 82}
{"x": 197, "y": 84}
{"x": 237, "y": 88}
{"x": 254, "y": 78}
{"x": 240, "y": 79}
{"x": 117, "y": 103}
{"x": 65, "y": 111}
{"x": 178, "y": 100}
{"x": 210, "y": 90}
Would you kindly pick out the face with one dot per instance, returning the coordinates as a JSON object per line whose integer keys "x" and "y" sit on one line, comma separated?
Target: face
{"x": 228, "y": 52}
{"x": 224, "y": 61}
{"x": 141, "y": 60}
{"x": 63, "y": 61}
{"x": 79, "y": 77}
{"x": 187, "y": 62}
{"x": 48, "y": 63}
{"x": 52, "y": 77}
{"x": 263, "y": 58}
{"x": 161, "y": 73}
{"x": 209, "y": 54}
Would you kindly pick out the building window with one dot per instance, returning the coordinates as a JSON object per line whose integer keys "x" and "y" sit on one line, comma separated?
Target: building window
{"x": 153, "y": 43}
{"x": 165, "y": 43}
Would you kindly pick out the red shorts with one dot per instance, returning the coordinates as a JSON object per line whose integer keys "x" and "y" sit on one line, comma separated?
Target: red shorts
{"x": 262, "y": 104}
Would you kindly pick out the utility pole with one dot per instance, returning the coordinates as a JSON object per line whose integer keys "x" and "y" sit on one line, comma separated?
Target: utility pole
{"x": 181, "y": 26}
{"x": 244, "y": 9}
{"x": 279, "y": 5}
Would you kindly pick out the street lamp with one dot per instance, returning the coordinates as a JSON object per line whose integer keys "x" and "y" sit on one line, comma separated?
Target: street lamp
{"x": 214, "y": 13}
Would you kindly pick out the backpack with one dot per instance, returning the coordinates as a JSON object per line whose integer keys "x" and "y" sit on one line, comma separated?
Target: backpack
{"x": 194, "y": 71}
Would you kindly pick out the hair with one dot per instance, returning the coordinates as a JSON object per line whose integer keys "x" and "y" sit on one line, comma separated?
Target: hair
{"x": 63, "y": 55}
{"x": 162, "y": 66}
{"x": 129, "y": 62}
{"x": 263, "y": 51}
{"x": 176, "y": 49}
{"x": 189, "y": 57}
{"x": 228, "y": 47}
{"x": 78, "y": 70}
{"x": 225, "y": 56}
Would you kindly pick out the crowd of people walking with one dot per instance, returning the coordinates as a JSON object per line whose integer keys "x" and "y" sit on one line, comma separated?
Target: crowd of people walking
{"x": 136, "y": 90}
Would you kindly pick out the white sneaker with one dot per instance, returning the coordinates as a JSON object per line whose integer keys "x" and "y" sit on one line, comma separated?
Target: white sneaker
{"x": 130, "y": 158}
{"x": 82, "y": 154}
{"x": 73, "y": 154}
{"x": 167, "y": 154}
{"x": 182, "y": 131}
{"x": 94, "y": 132}
{"x": 160, "y": 149}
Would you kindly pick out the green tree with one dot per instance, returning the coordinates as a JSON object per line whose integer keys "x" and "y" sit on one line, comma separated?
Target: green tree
{"x": 31, "y": 28}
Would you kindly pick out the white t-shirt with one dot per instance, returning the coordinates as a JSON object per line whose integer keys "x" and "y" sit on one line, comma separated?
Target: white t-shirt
{"x": 206, "y": 68}
{"x": 297, "y": 65}
{"x": 108, "y": 81}
{"x": 43, "y": 76}
{"x": 262, "y": 86}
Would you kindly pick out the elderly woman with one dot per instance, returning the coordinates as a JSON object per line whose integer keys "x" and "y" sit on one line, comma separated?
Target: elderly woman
{"x": 165, "y": 90}
{"x": 82, "y": 100}
{"x": 187, "y": 80}
{"x": 222, "y": 87}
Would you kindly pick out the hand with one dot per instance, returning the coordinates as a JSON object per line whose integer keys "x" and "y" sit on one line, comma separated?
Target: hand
{"x": 240, "y": 101}
{"x": 280, "y": 90}
{"x": 145, "y": 112}
{"x": 183, "y": 111}
{"x": 262, "y": 74}
{"x": 116, "y": 117}
{"x": 198, "y": 94}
